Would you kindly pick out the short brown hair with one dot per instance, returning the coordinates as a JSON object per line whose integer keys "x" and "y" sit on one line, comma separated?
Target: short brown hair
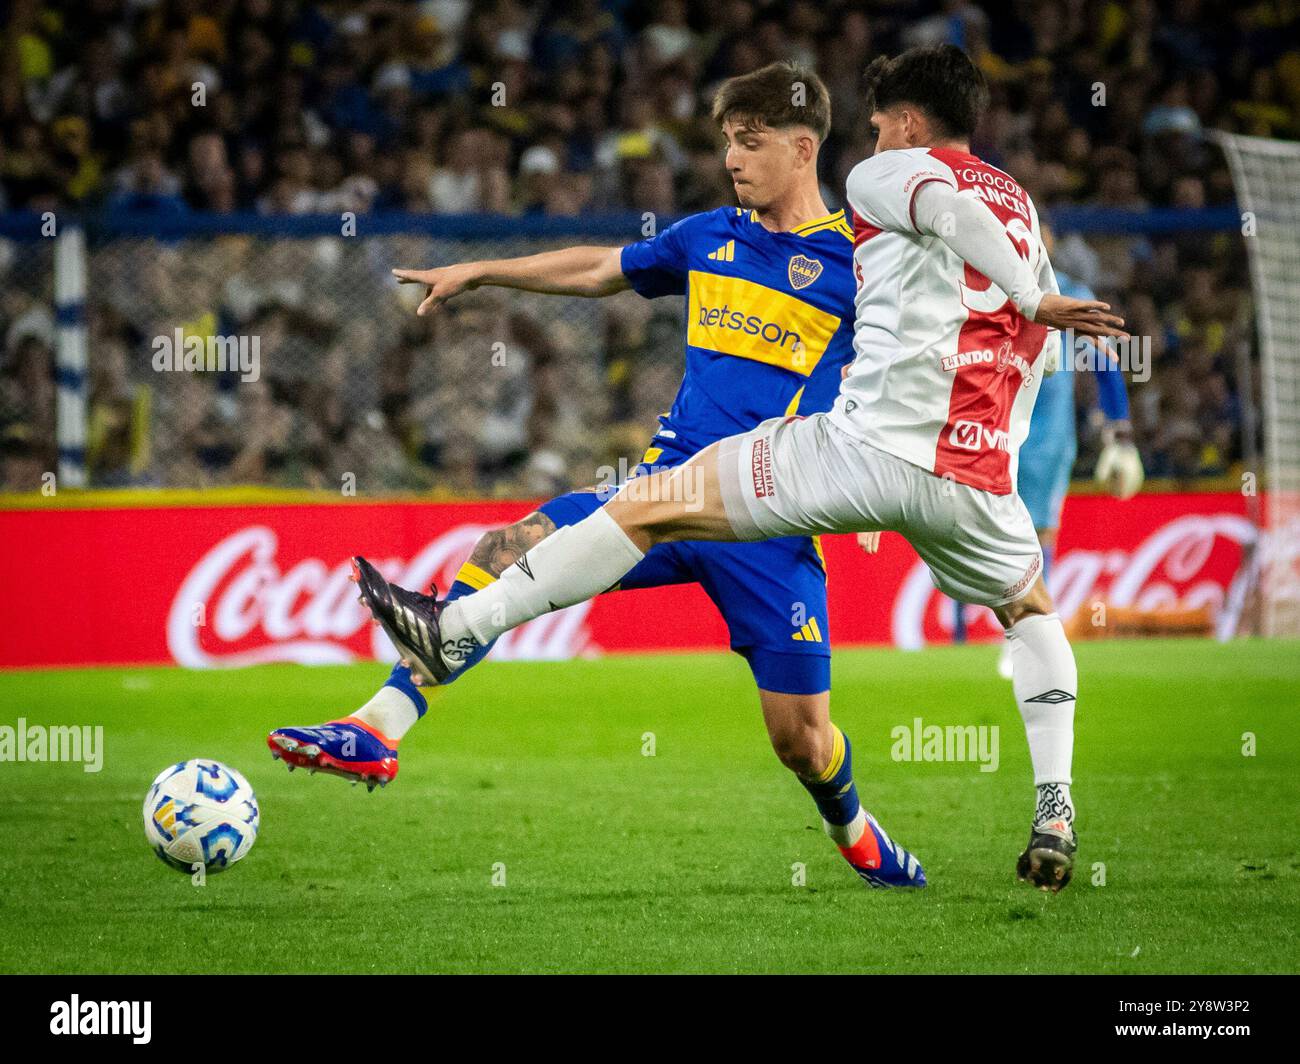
{"x": 778, "y": 96}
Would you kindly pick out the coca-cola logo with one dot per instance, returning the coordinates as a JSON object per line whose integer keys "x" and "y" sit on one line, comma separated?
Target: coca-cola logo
{"x": 240, "y": 605}
{"x": 1186, "y": 563}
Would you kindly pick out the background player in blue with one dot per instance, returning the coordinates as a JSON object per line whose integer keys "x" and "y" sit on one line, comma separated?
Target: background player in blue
{"x": 1047, "y": 456}
{"x": 769, "y": 328}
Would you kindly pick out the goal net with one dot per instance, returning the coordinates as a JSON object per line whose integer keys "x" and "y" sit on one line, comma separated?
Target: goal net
{"x": 1266, "y": 174}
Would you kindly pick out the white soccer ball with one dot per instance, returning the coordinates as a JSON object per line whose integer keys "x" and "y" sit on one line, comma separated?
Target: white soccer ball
{"x": 200, "y": 813}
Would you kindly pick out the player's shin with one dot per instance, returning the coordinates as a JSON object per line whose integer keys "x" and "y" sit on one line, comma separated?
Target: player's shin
{"x": 836, "y": 795}
{"x": 571, "y": 565}
{"x": 870, "y": 852}
{"x": 395, "y": 707}
{"x": 1045, "y": 682}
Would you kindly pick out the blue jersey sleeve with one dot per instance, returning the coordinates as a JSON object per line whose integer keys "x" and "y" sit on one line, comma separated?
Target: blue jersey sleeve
{"x": 1112, "y": 396}
{"x": 658, "y": 266}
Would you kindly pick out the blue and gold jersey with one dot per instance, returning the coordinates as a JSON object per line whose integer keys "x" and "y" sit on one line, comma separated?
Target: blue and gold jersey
{"x": 769, "y": 319}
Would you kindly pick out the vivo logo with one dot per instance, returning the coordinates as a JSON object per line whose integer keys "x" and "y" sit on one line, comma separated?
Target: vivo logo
{"x": 972, "y": 436}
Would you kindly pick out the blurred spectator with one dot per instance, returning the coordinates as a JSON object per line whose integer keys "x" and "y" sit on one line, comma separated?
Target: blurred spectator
{"x": 558, "y": 108}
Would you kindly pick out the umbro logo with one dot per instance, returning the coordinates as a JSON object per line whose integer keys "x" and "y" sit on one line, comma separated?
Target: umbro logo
{"x": 523, "y": 564}
{"x": 1052, "y": 697}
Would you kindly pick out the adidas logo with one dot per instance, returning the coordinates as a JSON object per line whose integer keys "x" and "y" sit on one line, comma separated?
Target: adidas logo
{"x": 726, "y": 253}
{"x": 412, "y": 627}
{"x": 809, "y": 633}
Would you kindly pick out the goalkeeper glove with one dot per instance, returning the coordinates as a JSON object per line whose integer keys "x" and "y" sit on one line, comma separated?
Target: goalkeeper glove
{"x": 1119, "y": 466}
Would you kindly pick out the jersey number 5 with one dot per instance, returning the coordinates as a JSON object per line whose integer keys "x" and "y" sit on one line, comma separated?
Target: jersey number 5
{"x": 990, "y": 298}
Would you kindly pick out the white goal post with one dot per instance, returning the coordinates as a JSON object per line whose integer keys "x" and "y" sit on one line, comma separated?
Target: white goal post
{"x": 1266, "y": 174}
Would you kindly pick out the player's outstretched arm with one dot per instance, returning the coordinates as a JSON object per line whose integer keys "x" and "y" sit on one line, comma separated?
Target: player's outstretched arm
{"x": 577, "y": 271}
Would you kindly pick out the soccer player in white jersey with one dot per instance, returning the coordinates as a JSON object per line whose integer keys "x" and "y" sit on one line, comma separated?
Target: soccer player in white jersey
{"x": 955, "y": 304}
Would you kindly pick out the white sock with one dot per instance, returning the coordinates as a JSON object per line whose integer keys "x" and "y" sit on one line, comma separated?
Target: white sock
{"x": 1054, "y": 805}
{"x": 571, "y": 565}
{"x": 846, "y": 835}
{"x": 1046, "y": 684}
{"x": 390, "y": 712}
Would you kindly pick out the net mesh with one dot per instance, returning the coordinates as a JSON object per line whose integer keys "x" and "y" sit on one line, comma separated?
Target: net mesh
{"x": 1267, "y": 178}
{"x": 501, "y": 393}
{"x": 323, "y": 375}
{"x": 28, "y": 445}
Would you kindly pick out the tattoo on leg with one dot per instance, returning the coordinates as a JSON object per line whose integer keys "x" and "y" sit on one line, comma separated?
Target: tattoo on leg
{"x": 501, "y": 548}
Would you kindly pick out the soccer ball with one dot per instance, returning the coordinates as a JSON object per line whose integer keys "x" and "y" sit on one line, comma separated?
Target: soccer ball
{"x": 200, "y": 812}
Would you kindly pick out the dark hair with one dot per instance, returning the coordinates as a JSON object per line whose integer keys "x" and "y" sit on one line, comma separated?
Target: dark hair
{"x": 777, "y": 96}
{"x": 941, "y": 80}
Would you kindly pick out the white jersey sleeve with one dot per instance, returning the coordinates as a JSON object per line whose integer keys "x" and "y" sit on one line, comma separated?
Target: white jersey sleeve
{"x": 881, "y": 189}
{"x": 964, "y": 222}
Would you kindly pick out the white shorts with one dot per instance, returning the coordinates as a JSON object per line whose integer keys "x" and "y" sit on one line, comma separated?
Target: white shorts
{"x": 805, "y": 475}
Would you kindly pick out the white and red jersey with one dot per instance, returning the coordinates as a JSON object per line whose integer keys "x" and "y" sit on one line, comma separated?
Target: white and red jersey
{"x": 947, "y": 369}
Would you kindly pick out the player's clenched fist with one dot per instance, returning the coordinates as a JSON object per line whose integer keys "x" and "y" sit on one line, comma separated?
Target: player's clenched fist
{"x": 443, "y": 283}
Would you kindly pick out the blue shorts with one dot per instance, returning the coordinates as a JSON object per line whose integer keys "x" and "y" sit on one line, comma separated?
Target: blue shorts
{"x": 772, "y": 594}
{"x": 1043, "y": 480}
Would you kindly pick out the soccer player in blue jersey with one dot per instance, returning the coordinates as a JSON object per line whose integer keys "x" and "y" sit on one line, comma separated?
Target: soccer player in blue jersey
{"x": 769, "y": 328}
{"x": 1048, "y": 453}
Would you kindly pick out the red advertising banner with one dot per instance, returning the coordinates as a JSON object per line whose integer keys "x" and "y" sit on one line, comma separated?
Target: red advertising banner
{"x": 211, "y": 586}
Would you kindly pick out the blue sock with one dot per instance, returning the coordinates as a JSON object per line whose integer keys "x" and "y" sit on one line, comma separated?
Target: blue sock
{"x": 400, "y": 678}
{"x": 834, "y": 791}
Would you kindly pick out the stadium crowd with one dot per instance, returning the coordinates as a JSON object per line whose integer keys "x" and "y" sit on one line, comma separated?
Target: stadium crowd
{"x": 165, "y": 108}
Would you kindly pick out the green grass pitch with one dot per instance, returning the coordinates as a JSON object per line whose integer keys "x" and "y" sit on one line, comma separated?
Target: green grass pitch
{"x": 683, "y": 861}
